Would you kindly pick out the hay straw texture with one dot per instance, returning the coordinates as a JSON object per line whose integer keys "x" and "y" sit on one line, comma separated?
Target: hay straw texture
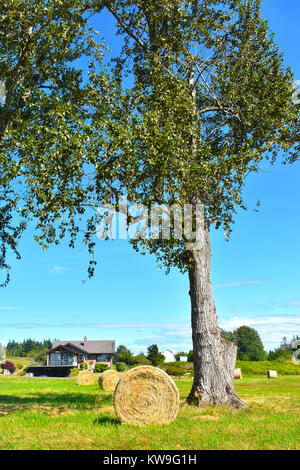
{"x": 109, "y": 379}
{"x": 146, "y": 395}
{"x": 238, "y": 374}
{"x": 272, "y": 374}
{"x": 85, "y": 377}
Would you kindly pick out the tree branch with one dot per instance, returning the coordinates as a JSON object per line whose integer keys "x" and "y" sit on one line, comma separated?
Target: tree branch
{"x": 126, "y": 29}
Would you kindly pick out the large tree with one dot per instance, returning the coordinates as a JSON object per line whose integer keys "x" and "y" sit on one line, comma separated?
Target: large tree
{"x": 210, "y": 99}
{"x": 249, "y": 344}
{"x": 154, "y": 356}
{"x": 196, "y": 98}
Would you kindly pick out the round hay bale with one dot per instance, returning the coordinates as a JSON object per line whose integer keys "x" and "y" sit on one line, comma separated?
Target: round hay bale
{"x": 272, "y": 374}
{"x": 109, "y": 379}
{"x": 145, "y": 395}
{"x": 238, "y": 373}
{"x": 85, "y": 377}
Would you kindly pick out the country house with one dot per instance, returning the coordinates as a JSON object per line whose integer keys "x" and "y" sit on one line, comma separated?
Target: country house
{"x": 73, "y": 353}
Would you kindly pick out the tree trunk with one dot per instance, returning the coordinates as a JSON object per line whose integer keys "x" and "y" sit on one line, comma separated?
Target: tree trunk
{"x": 214, "y": 356}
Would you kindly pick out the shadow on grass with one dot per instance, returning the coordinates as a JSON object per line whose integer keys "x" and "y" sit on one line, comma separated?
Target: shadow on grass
{"x": 105, "y": 420}
{"x": 80, "y": 401}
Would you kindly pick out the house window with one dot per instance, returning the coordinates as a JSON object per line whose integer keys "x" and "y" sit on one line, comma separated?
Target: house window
{"x": 66, "y": 359}
{"x": 55, "y": 359}
{"x": 103, "y": 357}
{"x": 61, "y": 359}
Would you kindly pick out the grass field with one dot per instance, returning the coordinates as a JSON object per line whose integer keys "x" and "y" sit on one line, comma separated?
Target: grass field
{"x": 25, "y": 361}
{"x": 59, "y": 414}
{"x": 250, "y": 368}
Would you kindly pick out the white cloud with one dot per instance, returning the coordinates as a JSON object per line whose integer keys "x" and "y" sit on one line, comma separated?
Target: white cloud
{"x": 294, "y": 302}
{"x": 270, "y": 328}
{"x": 59, "y": 269}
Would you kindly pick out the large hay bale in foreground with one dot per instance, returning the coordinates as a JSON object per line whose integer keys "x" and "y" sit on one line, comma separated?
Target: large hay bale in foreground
{"x": 238, "y": 373}
{"x": 272, "y": 374}
{"x": 145, "y": 395}
{"x": 109, "y": 379}
{"x": 85, "y": 377}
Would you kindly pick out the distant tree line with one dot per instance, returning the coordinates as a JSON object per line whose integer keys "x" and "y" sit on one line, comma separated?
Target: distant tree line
{"x": 29, "y": 348}
{"x": 153, "y": 357}
{"x": 248, "y": 342}
{"x": 250, "y": 346}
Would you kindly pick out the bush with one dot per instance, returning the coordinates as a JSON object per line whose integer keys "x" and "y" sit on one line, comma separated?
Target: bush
{"x": 120, "y": 366}
{"x": 100, "y": 367}
{"x": 280, "y": 354}
{"x": 19, "y": 366}
{"x": 84, "y": 366}
{"x": 26, "y": 369}
{"x": 185, "y": 365}
{"x": 7, "y": 365}
{"x": 21, "y": 373}
{"x": 73, "y": 372}
{"x": 175, "y": 371}
{"x": 140, "y": 361}
{"x": 189, "y": 366}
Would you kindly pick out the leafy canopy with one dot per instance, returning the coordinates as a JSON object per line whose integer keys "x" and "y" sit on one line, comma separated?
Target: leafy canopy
{"x": 210, "y": 99}
{"x": 197, "y": 97}
{"x": 249, "y": 344}
{"x": 44, "y": 115}
{"x": 154, "y": 356}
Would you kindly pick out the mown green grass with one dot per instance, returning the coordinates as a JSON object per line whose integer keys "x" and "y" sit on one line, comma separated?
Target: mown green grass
{"x": 261, "y": 367}
{"x": 59, "y": 414}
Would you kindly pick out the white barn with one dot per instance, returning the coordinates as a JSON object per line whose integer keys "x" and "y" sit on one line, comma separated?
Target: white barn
{"x": 296, "y": 350}
{"x": 169, "y": 356}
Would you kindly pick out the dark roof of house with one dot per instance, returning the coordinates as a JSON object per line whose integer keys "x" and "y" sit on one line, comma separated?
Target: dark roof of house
{"x": 91, "y": 347}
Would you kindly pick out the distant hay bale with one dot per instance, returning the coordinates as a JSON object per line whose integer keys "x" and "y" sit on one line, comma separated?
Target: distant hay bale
{"x": 238, "y": 373}
{"x": 145, "y": 395}
{"x": 272, "y": 374}
{"x": 109, "y": 379}
{"x": 85, "y": 377}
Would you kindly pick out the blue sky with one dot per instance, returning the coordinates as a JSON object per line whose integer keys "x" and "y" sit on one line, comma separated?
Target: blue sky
{"x": 255, "y": 275}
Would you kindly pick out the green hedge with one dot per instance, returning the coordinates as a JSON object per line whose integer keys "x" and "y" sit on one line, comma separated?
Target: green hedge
{"x": 120, "y": 366}
{"x": 100, "y": 367}
{"x": 186, "y": 365}
{"x": 262, "y": 367}
{"x": 175, "y": 371}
